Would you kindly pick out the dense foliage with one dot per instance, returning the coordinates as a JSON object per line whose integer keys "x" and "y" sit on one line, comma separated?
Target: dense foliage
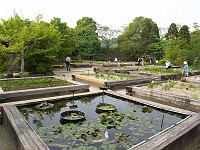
{"x": 138, "y": 37}
{"x": 88, "y": 43}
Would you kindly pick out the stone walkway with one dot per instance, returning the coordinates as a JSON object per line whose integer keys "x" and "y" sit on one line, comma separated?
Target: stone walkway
{"x": 6, "y": 142}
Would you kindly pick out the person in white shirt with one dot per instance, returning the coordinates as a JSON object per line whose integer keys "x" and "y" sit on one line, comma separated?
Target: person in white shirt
{"x": 167, "y": 64}
{"x": 68, "y": 59}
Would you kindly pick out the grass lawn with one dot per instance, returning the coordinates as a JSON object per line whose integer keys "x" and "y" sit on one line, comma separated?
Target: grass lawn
{"x": 23, "y": 84}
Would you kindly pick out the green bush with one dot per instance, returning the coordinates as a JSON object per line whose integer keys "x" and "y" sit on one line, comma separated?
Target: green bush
{"x": 163, "y": 61}
{"x": 44, "y": 67}
{"x": 3, "y": 61}
{"x": 196, "y": 63}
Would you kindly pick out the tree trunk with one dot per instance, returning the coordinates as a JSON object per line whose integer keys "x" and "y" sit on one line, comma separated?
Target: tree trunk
{"x": 22, "y": 61}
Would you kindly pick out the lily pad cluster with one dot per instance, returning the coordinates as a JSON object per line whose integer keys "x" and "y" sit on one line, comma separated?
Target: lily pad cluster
{"x": 44, "y": 105}
{"x": 73, "y": 116}
{"x": 123, "y": 137}
{"x": 106, "y": 107}
{"x": 147, "y": 109}
{"x": 112, "y": 119}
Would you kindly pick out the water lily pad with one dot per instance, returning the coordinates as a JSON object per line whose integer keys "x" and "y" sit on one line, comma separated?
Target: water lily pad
{"x": 44, "y": 105}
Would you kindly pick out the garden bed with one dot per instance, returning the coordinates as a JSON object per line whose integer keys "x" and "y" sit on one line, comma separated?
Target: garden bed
{"x": 180, "y": 94}
{"x": 41, "y": 89}
{"x": 167, "y": 74}
{"x": 112, "y": 81}
{"x": 31, "y": 83}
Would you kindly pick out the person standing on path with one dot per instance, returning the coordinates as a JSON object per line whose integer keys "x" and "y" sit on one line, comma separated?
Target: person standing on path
{"x": 68, "y": 59}
{"x": 185, "y": 69}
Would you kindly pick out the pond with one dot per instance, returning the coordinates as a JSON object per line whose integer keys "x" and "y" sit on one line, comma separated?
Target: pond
{"x": 130, "y": 124}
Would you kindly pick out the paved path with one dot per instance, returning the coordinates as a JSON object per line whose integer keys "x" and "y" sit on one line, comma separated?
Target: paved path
{"x": 6, "y": 142}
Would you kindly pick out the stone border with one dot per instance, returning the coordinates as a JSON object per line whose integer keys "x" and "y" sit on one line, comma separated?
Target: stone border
{"x": 112, "y": 84}
{"x": 165, "y": 98}
{"x": 11, "y": 96}
{"x": 25, "y": 137}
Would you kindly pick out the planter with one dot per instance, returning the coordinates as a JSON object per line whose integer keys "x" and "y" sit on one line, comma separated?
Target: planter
{"x": 104, "y": 107}
{"x": 72, "y": 116}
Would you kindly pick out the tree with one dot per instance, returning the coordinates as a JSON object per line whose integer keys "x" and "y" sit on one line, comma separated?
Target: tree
{"x": 178, "y": 48}
{"x": 88, "y": 43}
{"x": 184, "y": 34}
{"x": 139, "y": 35}
{"x": 107, "y": 35}
{"x": 68, "y": 38}
{"x": 28, "y": 37}
{"x": 195, "y": 46}
{"x": 172, "y": 32}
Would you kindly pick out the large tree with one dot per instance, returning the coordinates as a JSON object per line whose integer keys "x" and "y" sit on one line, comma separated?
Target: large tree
{"x": 178, "y": 48}
{"x": 138, "y": 37}
{"x": 184, "y": 34}
{"x": 195, "y": 46}
{"x": 88, "y": 43}
{"x": 172, "y": 32}
{"x": 68, "y": 38}
{"x": 34, "y": 41}
{"x": 107, "y": 35}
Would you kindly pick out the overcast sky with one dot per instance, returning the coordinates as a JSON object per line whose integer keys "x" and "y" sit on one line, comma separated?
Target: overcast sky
{"x": 113, "y": 13}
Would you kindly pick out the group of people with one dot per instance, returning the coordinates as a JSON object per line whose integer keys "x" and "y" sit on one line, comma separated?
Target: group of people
{"x": 185, "y": 70}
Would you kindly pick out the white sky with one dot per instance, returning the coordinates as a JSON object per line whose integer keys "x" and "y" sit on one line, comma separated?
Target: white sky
{"x": 113, "y": 13}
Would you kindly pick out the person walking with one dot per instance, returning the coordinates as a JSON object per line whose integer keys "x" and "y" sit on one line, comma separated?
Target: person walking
{"x": 185, "y": 69}
{"x": 68, "y": 59}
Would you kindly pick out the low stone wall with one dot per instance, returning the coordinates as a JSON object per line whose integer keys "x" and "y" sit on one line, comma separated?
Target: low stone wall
{"x": 165, "y": 98}
{"x": 123, "y": 71}
{"x": 84, "y": 65}
{"x": 178, "y": 76}
{"x": 123, "y": 83}
{"x": 103, "y": 70}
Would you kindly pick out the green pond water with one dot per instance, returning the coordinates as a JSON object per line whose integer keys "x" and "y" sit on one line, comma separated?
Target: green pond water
{"x": 131, "y": 124}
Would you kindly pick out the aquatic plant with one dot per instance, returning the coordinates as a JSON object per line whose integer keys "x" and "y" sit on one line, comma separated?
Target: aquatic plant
{"x": 147, "y": 109}
{"x": 44, "y": 105}
{"x": 31, "y": 83}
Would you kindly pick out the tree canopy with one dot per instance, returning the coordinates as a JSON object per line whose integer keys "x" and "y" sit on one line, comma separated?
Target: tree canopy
{"x": 138, "y": 36}
{"x": 88, "y": 43}
{"x": 34, "y": 42}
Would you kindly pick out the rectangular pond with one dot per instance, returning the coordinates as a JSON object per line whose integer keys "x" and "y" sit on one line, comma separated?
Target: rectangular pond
{"x": 121, "y": 129}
